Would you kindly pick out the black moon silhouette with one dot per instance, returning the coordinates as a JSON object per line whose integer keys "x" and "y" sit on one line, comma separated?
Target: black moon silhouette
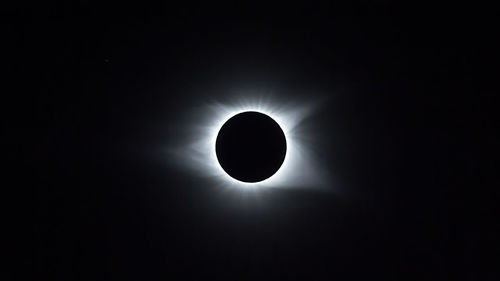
{"x": 250, "y": 147}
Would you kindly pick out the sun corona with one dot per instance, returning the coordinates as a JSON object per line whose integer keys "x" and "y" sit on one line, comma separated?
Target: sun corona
{"x": 298, "y": 168}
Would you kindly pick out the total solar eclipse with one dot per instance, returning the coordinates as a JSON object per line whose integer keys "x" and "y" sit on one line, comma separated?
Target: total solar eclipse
{"x": 251, "y": 147}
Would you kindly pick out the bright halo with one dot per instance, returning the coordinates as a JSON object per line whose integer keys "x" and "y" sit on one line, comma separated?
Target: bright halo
{"x": 298, "y": 168}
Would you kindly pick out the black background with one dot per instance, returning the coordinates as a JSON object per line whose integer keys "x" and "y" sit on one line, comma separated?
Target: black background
{"x": 407, "y": 133}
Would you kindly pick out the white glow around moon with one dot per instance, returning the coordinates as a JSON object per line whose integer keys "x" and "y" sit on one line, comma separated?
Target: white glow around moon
{"x": 199, "y": 156}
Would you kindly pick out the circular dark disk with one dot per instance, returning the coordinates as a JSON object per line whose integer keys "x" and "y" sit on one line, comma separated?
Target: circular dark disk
{"x": 251, "y": 146}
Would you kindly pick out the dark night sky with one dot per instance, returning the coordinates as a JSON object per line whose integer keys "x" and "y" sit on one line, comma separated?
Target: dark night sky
{"x": 407, "y": 133}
